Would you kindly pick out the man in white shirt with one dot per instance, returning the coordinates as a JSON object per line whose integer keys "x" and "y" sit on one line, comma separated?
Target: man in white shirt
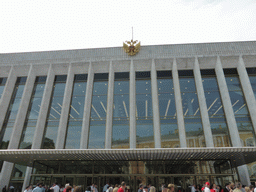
{"x": 207, "y": 185}
{"x": 55, "y": 187}
{"x": 95, "y": 188}
{"x": 38, "y": 188}
{"x": 255, "y": 187}
{"x": 193, "y": 188}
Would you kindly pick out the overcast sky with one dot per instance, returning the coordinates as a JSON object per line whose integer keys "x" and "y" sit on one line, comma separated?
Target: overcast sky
{"x": 59, "y": 25}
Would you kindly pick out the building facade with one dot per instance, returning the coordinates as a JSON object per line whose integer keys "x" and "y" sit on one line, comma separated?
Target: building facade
{"x": 173, "y": 113}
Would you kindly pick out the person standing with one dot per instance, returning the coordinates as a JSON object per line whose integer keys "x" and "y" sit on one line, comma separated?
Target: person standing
{"x": 140, "y": 188}
{"x": 116, "y": 188}
{"x": 55, "y": 188}
{"x": 38, "y": 188}
{"x": 206, "y": 188}
{"x": 238, "y": 187}
{"x": 4, "y": 189}
{"x": 105, "y": 188}
{"x": 193, "y": 188}
{"x": 122, "y": 188}
{"x": 95, "y": 188}
{"x": 226, "y": 189}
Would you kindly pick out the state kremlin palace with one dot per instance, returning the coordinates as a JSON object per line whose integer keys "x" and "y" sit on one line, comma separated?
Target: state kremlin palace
{"x": 182, "y": 114}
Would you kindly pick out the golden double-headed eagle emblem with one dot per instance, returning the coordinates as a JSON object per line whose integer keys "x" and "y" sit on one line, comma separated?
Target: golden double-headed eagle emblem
{"x": 131, "y": 47}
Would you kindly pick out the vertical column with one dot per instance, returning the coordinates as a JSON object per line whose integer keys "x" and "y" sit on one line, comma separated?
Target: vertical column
{"x": 65, "y": 110}
{"x": 132, "y": 107}
{"x": 40, "y": 125}
{"x": 178, "y": 103}
{"x": 27, "y": 178}
{"x": 247, "y": 89}
{"x": 87, "y": 109}
{"x": 203, "y": 106}
{"x": 110, "y": 104}
{"x": 7, "y": 168}
{"x": 6, "y": 97}
{"x": 226, "y": 102}
{"x": 7, "y": 94}
{"x": 155, "y": 104}
{"x": 22, "y": 112}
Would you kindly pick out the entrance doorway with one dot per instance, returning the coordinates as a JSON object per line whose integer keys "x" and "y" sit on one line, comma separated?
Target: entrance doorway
{"x": 182, "y": 182}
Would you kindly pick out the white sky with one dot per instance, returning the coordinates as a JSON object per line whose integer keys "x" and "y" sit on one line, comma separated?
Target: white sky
{"x": 58, "y": 25}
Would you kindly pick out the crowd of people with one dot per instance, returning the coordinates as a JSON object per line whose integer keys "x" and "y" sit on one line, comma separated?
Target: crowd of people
{"x": 229, "y": 187}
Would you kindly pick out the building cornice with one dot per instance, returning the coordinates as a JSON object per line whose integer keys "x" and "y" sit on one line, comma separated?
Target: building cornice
{"x": 146, "y": 52}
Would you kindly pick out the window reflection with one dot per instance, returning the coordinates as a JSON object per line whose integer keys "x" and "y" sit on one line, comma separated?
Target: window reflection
{"x": 120, "y": 130}
{"x": 33, "y": 112}
{"x": 217, "y": 117}
{"x": 144, "y": 116}
{"x": 2, "y": 85}
{"x": 253, "y": 83}
{"x": 12, "y": 111}
{"x": 98, "y": 112}
{"x": 76, "y": 113}
{"x": 240, "y": 109}
{"x": 167, "y": 109}
{"x": 191, "y": 112}
{"x": 52, "y": 122}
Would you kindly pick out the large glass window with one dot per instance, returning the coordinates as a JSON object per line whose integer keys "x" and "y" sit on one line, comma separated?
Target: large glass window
{"x": 2, "y": 85}
{"x": 32, "y": 115}
{"x": 191, "y": 111}
{"x": 215, "y": 109}
{"x": 252, "y": 76}
{"x": 98, "y": 112}
{"x": 167, "y": 109}
{"x": 243, "y": 120}
{"x": 120, "y": 130}
{"x": 144, "y": 113}
{"x": 54, "y": 113}
{"x": 76, "y": 113}
{"x": 12, "y": 111}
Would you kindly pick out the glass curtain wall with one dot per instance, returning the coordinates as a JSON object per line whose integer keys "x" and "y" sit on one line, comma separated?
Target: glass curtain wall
{"x": 243, "y": 120}
{"x": 121, "y": 126}
{"x": 54, "y": 112}
{"x": 2, "y": 85}
{"x": 98, "y": 112}
{"x": 32, "y": 115}
{"x": 76, "y": 112}
{"x": 144, "y": 113}
{"x": 12, "y": 111}
{"x": 191, "y": 111}
{"x": 167, "y": 109}
{"x": 216, "y": 113}
{"x": 252, "y": 76}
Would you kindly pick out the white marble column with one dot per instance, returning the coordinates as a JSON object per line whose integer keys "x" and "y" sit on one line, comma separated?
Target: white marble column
{"x": 178, "y": 103}
{"x": 248, "y": 92}
{"x": 22, "y": 112}
{"x": 40, "y": 125}
{"x": 7, "y": 95}
{"x": 6, "y": 98}
{"x": 227, "y": 106}
{"x": 87, "y": 110}
{"x": 27, "y": 178}
{"x": 61, "y": 137}
{"x": 155, "y": 104}
{"x": 202, "y": 105}
{"x": 132, "y": 107}
{"x": 110, "y": 104}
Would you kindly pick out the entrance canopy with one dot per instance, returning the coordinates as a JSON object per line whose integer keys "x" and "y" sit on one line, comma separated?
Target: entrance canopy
{"x": 237, "y": 156}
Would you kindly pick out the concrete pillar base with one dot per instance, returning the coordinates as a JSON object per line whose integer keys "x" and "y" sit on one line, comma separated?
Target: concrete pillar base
{"x": 244, "y": 175}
